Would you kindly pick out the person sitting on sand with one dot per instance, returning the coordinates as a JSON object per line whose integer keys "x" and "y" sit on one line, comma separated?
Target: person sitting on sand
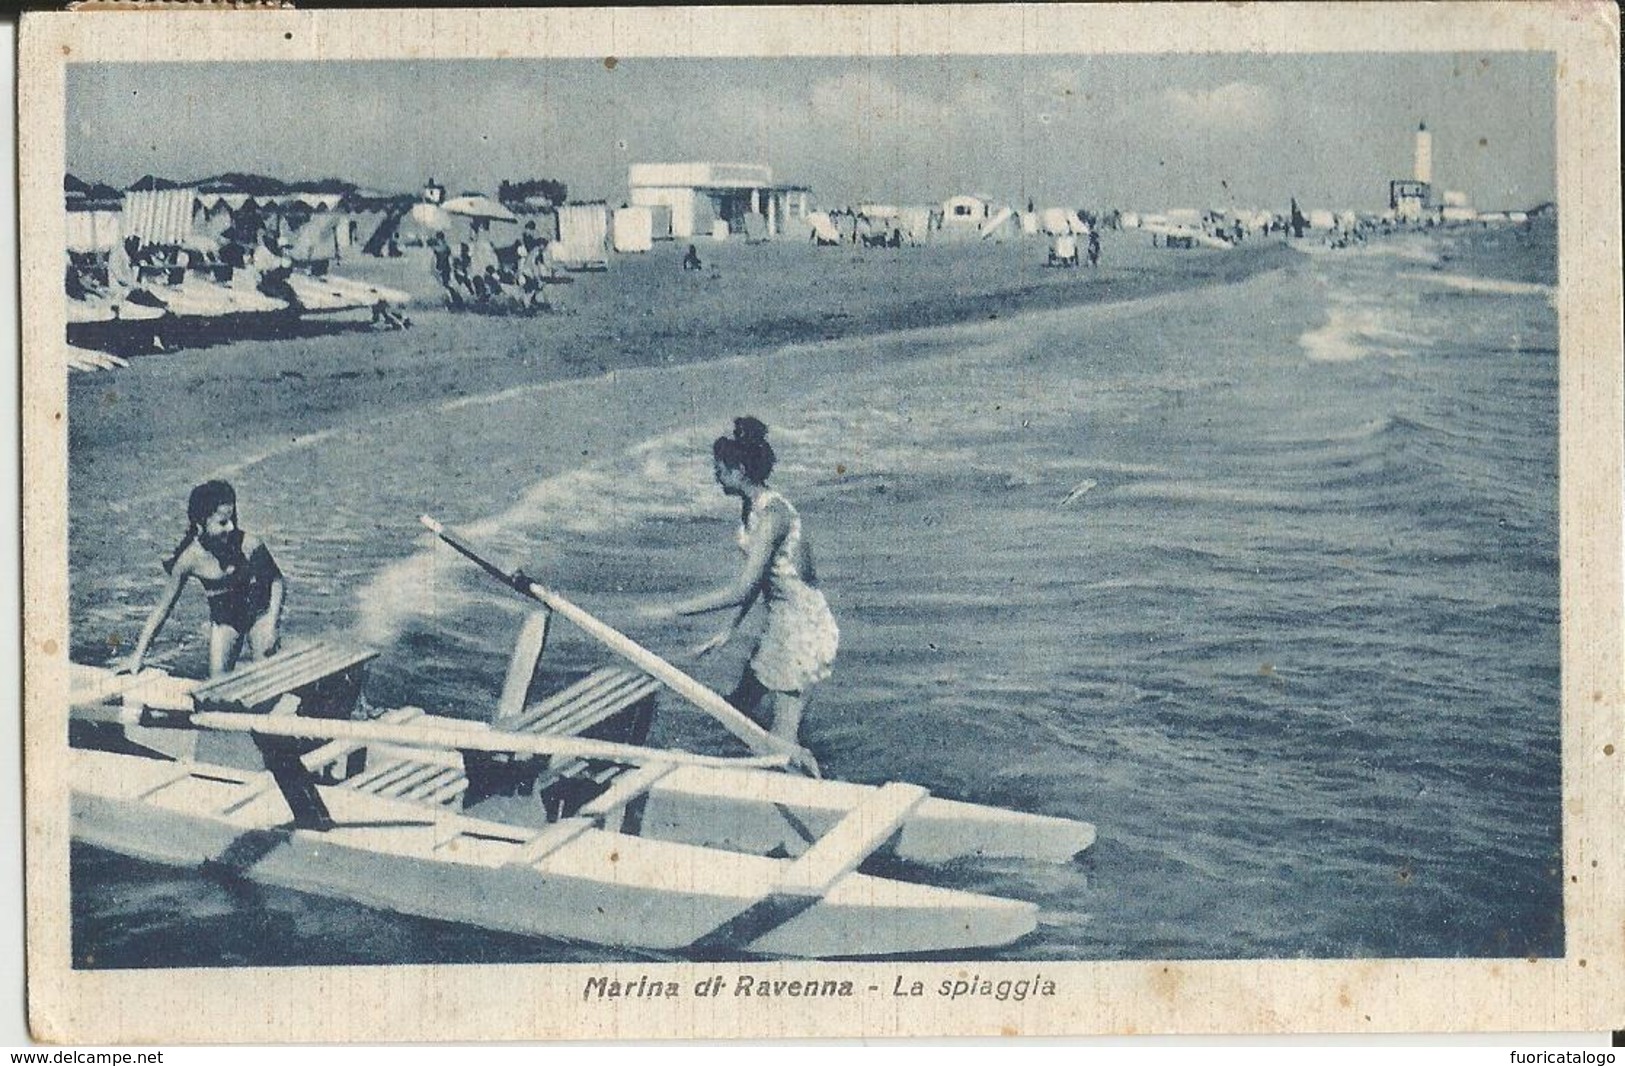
{"x": 387, "y": 318}
{"x": 239, "y": 577}
{"x": 691, "y": 261}
{"x": 797, "y": 647}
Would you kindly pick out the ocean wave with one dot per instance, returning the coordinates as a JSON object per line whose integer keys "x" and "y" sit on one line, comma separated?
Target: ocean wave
{"x": 1202, "y": 492}
{"x": 1486, "y": 286}
{"x": 1356, "y": 331}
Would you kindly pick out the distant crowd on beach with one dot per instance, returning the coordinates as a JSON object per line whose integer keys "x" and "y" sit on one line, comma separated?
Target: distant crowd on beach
{"x": 476, "y": 274}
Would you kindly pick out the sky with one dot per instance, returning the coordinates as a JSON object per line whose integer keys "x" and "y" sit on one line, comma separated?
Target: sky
{"x": 1131, "y": 132}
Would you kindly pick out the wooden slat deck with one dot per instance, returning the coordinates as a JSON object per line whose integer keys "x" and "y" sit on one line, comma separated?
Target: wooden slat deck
{"x": 570, "y": 712}
{"x": 264, "y": 682}
{"x": 589, "y": 701}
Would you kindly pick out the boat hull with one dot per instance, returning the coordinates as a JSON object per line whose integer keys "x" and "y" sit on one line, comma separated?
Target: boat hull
{"x": 570, "y": 880}
{"x": 762, "y": 813}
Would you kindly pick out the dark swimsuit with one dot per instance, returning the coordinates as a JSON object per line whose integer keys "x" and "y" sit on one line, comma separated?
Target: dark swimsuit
{"x": 244, "y": 594}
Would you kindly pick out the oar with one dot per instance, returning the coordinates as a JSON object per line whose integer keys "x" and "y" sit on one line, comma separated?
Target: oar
{"x": 732, "y": 719}
{"x": 443, "y": 738}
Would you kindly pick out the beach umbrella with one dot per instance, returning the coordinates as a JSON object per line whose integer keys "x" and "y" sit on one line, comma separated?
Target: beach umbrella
{"x": 478, "y": 207}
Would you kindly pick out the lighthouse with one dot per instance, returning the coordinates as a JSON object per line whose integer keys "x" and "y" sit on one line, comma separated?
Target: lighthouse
{"x": 1412, "y": 198}
{"x": 1424, "y": 155}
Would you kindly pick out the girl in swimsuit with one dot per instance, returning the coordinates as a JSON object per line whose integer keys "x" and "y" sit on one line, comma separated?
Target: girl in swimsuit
{"x": 238, "y": 575}
{"x": 797, "y": 646}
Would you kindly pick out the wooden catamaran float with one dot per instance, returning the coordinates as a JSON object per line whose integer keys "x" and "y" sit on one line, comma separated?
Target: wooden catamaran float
{"x": 552, "y": 819}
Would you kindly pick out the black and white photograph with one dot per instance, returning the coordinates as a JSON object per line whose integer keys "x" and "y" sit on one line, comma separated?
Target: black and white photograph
{"x": 760, "y": 529}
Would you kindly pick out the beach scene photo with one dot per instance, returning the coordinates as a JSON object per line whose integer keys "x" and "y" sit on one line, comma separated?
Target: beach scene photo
{"x": 993, "y": 508}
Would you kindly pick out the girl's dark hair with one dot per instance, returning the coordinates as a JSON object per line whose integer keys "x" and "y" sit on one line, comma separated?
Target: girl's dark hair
{"x": 203, "y": 502}
{"x": 747, "y": 449}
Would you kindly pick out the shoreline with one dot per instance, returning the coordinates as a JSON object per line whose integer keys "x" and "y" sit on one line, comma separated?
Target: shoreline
{"x": 642, "y": 314}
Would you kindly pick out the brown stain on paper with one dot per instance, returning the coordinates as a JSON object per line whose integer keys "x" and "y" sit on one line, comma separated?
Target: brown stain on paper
{"x": 1166, "y": 981}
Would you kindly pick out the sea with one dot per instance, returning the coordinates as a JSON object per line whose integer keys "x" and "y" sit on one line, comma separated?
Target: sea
{"x": 1261, "y": 579}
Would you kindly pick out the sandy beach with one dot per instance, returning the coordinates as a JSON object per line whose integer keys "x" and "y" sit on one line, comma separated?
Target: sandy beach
{"x": 206, "y": 403}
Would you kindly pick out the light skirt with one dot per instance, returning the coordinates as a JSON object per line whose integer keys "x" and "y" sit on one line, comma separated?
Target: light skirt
{"x": 797, "y": 648}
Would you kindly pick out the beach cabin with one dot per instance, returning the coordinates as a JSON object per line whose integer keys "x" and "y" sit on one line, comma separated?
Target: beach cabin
{"x": 632, "y": 229}
{"x": 93, "y": 216}
{"x": 965, "y": 213}
{"x": 699, "y": 195}
{"x": 659, "y": 222}
{"x": 583, "y": 236}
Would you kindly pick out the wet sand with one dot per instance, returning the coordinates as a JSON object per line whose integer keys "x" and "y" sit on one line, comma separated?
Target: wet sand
{"x": 175, "y": 413}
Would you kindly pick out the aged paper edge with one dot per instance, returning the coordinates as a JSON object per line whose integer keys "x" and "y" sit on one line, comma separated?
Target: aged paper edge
{"x": 1581, "y": 991}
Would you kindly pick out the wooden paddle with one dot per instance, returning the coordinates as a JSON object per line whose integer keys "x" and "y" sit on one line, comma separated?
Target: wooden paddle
{"x": 731, "y": 718}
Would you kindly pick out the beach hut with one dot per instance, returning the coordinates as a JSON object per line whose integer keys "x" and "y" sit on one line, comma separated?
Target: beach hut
{"x": 755, "y": 227}
{"x": 659, "y": 221}
{"x": 965, "y": 213}
{"x": 158, "y": 216}
{"x": 823, "y": 228}
{"x": 633, "y": 229}
{"x": 583, "y": 236}
{"x": 93, "y": 232}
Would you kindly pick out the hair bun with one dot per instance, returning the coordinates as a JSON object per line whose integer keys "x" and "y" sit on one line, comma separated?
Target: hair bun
{"x": 749, "y": 430}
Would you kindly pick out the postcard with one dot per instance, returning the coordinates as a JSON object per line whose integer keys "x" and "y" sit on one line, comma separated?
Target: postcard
{"x": 811, "y": 523}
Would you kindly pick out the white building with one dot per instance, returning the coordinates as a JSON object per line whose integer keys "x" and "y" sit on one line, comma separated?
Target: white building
{"x": 700, "y": 194}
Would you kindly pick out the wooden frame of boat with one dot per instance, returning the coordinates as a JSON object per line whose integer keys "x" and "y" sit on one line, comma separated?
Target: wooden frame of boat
{"x": 550, "y": 820}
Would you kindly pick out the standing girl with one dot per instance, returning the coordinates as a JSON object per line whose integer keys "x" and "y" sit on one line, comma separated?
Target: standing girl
{"x": 797, "y": 646}
{"x": 239, "y": 577}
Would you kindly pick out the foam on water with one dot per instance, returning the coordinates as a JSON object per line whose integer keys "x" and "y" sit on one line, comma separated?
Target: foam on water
{"x": 1485, "y": 286}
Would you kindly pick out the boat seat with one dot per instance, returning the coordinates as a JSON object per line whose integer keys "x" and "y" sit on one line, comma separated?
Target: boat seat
{"x": 326, "y": 676}
{"x": 600, "y": 695}
{"x": 573, "y": 711}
